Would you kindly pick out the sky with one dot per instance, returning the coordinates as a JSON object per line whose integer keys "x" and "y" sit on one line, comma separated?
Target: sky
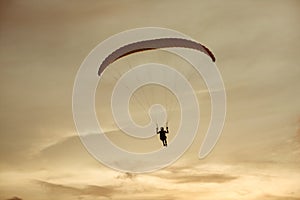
{"x": 256, "y": 43}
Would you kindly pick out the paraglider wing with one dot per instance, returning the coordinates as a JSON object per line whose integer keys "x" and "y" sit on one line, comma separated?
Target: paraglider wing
{"x": 150, "y": 45}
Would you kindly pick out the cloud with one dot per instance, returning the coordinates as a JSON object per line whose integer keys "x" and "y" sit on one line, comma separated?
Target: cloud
{"x": 160, "y": 197}
{"x": 127, "y": 190}
{"x": 298, "y": 131}
{"x": 181, "y": 174}
{"x": 14, "y": 198}
{"x": 91, "y": 190}
{"x": 205, "y": 178}
{"x": 277, "y": 197}
{"x": 61, "y": 153}
{"x": 126, "y": 175}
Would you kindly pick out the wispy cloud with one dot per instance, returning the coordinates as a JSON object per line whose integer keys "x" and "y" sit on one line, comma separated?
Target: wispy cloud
{"x": 14, "y": 198}
{"x": 91, "y": 190}
{"x": 205, "y": 178}
{"x": 181, "y": 174}
{"x": 278, "y": 197}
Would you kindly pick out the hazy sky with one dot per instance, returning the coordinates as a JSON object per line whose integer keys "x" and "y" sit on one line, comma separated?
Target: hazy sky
{"x": 256, "y": 43}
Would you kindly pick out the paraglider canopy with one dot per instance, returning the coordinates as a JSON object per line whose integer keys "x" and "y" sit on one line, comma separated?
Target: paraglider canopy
{"x": 150, "y": 45}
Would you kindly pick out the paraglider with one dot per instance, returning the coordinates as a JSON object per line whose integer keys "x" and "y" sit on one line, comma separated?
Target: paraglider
{"x": 153, "y": 44}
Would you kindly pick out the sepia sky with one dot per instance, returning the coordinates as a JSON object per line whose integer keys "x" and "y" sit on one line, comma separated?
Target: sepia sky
{"x": 257, "y": 45}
